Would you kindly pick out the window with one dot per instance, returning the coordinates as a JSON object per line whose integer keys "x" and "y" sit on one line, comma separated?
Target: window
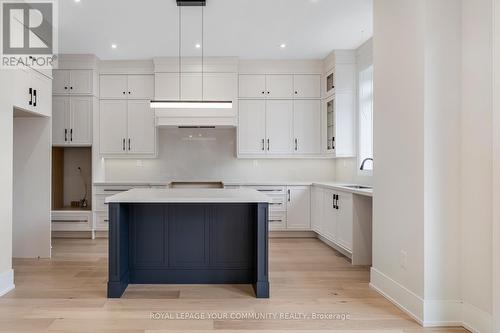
{"x": 366, "y": 118}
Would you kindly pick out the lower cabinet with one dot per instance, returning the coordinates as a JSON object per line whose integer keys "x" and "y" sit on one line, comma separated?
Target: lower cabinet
{"x": 71, "y": 220}
{"x": 333, "y": 216}
{"x": 298, "y": 208}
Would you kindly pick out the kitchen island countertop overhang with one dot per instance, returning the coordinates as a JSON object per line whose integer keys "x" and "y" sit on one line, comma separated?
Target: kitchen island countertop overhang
{"x": 188, "y": 236}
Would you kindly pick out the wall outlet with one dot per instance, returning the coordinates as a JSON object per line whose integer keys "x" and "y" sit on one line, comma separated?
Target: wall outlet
{"x": 403, "y": 259}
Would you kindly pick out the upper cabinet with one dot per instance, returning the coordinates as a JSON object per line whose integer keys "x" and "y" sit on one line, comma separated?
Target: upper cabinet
{"x": 280, "y": 86}
{"x": 126, "y": 86}
{"x": 73, "y": 82}
{"x": 33, "y": 91}
{"x": 72, "y": 121}
{"x": 215, "y": 86}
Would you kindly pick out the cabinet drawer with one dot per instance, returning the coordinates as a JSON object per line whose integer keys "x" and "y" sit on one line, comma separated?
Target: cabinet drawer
{"x": 269, "y": 190}
{"x": 277, "y": 220}
{"x": 278, "y": 203}
{"x": 100, "y": 204}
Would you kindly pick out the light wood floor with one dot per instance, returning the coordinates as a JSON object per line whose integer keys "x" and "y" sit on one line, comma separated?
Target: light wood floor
{"x": 67, "y": 294}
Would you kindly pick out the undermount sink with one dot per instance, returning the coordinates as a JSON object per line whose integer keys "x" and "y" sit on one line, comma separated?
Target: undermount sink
{"x": 358, "y": 187}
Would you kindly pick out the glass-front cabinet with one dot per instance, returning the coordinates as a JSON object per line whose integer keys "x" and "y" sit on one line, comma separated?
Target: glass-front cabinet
{"x": 330, "y": 125}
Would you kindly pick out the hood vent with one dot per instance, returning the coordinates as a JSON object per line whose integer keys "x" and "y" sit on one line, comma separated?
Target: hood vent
{"x": 196, "y": 118}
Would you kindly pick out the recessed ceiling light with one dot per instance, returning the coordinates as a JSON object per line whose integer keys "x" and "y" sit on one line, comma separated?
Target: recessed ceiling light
{"x": 114, "y": 46}
{"x": 197, "y": 46}
{"x": 283, "y": 45}
{"x": 77, "y": 0}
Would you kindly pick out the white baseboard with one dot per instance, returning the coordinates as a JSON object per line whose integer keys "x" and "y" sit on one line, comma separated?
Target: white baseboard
{"x": 402, "y": 297}
{"x": 437, "y": 313}
{"x": 476, "y": 320}
{"x": 6, "y": 282}
{"x": 442, "y": 313}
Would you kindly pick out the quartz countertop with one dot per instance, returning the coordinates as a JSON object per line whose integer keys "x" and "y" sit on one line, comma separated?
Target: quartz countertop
{"x": 341, "y": 187}
{"x": 183, "y": 195}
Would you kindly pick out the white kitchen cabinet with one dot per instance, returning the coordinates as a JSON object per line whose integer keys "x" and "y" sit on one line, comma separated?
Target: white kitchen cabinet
{"x": 72, "y": 82}
{"x": 279, "y": 86}
{"x": 140, "y": 86}
{"x": 127, "y": 128}
{"x": 307, "y": 86}
{"x": 317, "y": 214}
{"x": 33, "y": 91}
{"x": 220, "y": 86}
{"x": 279, "y": 127}
{"x": 72, "y": 121}
{"x": 126, "y": 86}
{"x": 191, "y": 86}
{"x": 339, "y": 125}
{"x": 329, "y": 223}
{"x": 307, "y": 127}
{"x": 60, "y": 120}
{"x": 141, "y": 128}
{"x": 112, "y": 127}
{"x": 298, "y": 208}
{"x": 252, "y": 127}
{"x": 252, "y": 86}
{"x": 113, "y": 86}
{"x": 167, "y": 86}
{"x": 344, "y": 217}
{"x": 345, "y": 77}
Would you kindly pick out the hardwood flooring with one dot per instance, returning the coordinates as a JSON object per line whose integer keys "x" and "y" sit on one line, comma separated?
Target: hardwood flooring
{"x": 68, "y": 294}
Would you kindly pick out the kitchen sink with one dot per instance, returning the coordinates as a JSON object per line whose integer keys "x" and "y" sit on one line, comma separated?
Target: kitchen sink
{"x": 358, "y": 187}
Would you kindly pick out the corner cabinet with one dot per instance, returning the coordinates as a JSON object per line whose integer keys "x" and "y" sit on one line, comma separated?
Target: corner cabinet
{"x": 127, "y": 128}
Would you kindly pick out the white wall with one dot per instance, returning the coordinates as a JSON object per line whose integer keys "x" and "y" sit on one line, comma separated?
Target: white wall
{"x": 213, "y": 157}
{"x": 32, "y": 187}
{"x": 398, "y": 202}
{"x": 6, "y": 273}
{"x": 476, "y": 175}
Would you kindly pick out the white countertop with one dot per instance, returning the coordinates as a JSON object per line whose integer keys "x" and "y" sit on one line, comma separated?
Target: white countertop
{"x": 182, "y": 195}
{"x": 125, "y": 183}
{"x": 341, "y": 187}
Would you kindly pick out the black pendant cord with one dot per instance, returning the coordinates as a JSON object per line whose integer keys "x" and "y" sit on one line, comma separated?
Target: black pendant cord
{"x": 202, "y": 52}
{"x": 180, "y": 35}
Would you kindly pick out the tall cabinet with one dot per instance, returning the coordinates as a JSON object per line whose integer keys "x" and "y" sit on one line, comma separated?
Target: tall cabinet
{"x": 279, "y": 115}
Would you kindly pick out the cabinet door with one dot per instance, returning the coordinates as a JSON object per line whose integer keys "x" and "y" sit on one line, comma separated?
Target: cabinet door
{"x": 81, "y": 82}
{"x": 345, "y": 77}
{"x": 252, "y": 86}
{"x": 307, "y": 127}
{"x": 329, "y": 215}
{"x": 252, "y": 127}
{"x": 298, "y": 208}
{"x": 42, "y": 95}
{"x": 113, "y": 127}
{"x": 140, "y": 86}
{"x": 191, "y": 86}
{"x": 141, "y": 128}
{"x": 113, "y": 86}
{"x": 345, "y": 220}
{"x": 219, "y": 86}
{"x": 167, "y": 86}
{"x": 279, "y": 86}
{"x": 279, "y": 127}
{"x": 60, "y": 120}
{"x": 81, "y": 121}
{"x": 317, "y": 199}
{"x": 22, "y": 82}
{"x": 307, "y": 86}
{"x": 60, "y": 82}
{"x": 345, "y": 125}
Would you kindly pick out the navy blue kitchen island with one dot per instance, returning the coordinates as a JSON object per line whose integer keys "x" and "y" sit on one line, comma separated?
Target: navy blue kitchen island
{"x": 188, "y": 236}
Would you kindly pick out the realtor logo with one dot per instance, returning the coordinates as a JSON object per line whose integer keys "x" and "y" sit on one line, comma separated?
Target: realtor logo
{"x": 28, "y": 33}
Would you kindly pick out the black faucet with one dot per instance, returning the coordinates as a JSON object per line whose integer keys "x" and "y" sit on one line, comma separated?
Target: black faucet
{"x": 364, "y": 161}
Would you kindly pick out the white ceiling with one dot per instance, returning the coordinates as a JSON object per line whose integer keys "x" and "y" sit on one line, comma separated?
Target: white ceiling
{"x": 245, "y": 28}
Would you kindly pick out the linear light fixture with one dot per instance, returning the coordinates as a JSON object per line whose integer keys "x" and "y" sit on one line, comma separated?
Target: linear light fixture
{"x": 181, "y": 104}
{"x": 191, "y": 104}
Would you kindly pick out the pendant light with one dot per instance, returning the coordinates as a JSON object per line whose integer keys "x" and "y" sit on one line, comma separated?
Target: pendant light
{"x": 191, "y": 104}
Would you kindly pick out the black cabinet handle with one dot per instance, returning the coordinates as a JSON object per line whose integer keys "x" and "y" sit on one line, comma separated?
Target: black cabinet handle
{"x": 268, "y": 144}
{"x": 71, "y": 135}
{"x": 71, "y": 88}
{"x": 31, "y": 96}
{"x": 263, "y": 144}
{"x": 128, "y": 143}
{"x": 65, "y": 135}
{"x": 263, "y": 93}
{"x": 123, "y": 145}
{"x": 333, "y": 142}
{"x": 288, "y": 195}
{"x": 129, "y": 92}
{"x": 34, "y": 97}
{"x": 268, "y": 92}
{"x": 65, "y": 88}
{"x": 296, "y": 92}
{"x": 296, "y": 144}
{"x": 124, "y": 92}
